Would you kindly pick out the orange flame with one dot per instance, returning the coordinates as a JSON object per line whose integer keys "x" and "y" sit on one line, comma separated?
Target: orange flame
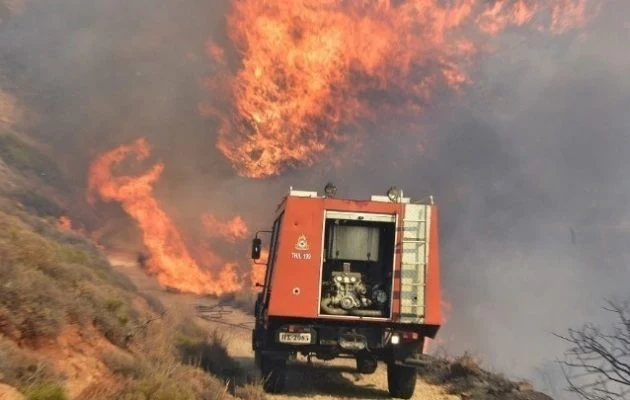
{"x": 312, "y": 68}
{"x": 170, "y": 259}
{"x": 64, "y": 224}
{"x": 231, "y": 231}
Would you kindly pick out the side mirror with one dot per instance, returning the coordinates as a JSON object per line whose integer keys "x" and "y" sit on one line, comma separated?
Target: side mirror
{"x": 256, "y": 246}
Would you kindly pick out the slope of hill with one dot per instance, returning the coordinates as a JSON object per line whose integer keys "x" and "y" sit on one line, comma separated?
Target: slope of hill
{"x": 71, "y": 326}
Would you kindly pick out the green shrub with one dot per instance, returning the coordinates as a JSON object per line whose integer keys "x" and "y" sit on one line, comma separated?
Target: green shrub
{"x": 49, "y": 391}
{"x": 45, "y": 283}
{"x": 38, "y": 204}
{"x": 156, "y": 388}
{"x": 157, "y": 373}
{"x": 21, "y": 369}
{"x": 21, "y": 156}
{"x": 34, "y": 307}
{"x": 124, "y": 365}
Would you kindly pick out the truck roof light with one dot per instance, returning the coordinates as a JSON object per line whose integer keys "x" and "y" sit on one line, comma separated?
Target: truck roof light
{"x": 330, "y": 189}
{"x": 394, "y": 194}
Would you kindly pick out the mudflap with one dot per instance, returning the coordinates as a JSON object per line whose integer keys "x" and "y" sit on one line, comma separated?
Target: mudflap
{"x": 410, "y": 355}
{"x": 416, "y": 360}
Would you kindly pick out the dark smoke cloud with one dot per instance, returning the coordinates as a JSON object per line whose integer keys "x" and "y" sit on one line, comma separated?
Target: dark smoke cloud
{"x": 529, "y": 168}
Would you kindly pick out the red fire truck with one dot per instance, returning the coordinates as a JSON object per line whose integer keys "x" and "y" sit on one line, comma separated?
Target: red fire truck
{"x": 349, "y": 278}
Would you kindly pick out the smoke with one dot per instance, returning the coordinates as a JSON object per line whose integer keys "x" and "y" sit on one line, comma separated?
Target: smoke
{"x": 535, "y": 195}
{"x": 529, "y": 167}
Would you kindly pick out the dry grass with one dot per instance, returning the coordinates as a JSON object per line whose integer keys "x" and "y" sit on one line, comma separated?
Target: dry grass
{"x": 155, "y": 370}
{"x": 211, "y": 355}
{"x": 49, "y": 279}
{"x": 465, "y": 377}
{"x": 21, "y": 368}
{"x": 47, "y": 283}
{"x": 250, "y": 392}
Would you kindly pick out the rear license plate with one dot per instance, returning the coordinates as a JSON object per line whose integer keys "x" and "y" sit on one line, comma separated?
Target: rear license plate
{"x": 297, "y": 338}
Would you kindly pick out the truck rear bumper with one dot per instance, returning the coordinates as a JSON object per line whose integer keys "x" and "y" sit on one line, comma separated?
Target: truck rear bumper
{"x": 331, "y": 341}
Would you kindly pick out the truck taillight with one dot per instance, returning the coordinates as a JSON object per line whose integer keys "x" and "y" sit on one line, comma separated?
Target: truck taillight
{"x": 296, "y": 329}
{"x": 397, "y": 337}
{"x": 409, "y": 335}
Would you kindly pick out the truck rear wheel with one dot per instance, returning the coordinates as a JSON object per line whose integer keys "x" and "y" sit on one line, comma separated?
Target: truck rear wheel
{"x": 401, "y": 380}
{"x": 274, "y": 373}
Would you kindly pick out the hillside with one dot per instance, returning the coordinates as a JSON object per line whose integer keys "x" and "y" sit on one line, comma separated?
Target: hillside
{"x": 72, "y": 326}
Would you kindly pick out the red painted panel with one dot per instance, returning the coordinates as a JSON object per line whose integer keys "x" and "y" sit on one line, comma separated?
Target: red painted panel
{"x": 362, "y": 206}
{"x": 434, "y": 294}
{"x": 298, "y": 266}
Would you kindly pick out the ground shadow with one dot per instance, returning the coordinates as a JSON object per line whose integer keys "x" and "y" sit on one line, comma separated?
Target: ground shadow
{"x": 327, "y": 379}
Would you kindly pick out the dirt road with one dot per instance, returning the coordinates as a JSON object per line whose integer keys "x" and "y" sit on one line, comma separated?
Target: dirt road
{"x": 324, "y": 380}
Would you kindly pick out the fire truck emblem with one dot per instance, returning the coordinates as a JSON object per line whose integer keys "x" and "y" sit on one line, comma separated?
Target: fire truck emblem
{"x": 302, "y": 243}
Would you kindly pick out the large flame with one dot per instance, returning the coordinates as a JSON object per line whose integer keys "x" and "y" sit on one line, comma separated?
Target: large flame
{"x": 231, "y": 231}
{"x": 311, "y": 69}
{"x": 169, "y": 258}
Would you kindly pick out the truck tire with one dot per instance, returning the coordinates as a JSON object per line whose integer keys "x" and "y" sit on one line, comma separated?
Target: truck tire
{"x": 274, "y": 373}
{"x": 366, "y": 364}
{"x": 401, "y": 380}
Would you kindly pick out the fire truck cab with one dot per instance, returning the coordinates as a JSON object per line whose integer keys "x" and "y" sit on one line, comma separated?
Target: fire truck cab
{"x": 349, "y": 278}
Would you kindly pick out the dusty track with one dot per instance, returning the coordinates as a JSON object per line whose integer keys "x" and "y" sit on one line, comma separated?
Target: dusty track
{"x": 328, "y": 380}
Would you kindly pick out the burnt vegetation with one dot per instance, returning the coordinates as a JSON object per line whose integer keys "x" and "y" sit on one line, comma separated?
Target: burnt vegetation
{"x": 597, "y": 362}
{"x": 465, "y": 377}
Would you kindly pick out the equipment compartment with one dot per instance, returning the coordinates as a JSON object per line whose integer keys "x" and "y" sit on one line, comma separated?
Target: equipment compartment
{"x": 358, "y": 265}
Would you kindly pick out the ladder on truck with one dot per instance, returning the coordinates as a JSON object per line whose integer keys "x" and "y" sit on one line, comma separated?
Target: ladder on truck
{"x": 414, "y": 252}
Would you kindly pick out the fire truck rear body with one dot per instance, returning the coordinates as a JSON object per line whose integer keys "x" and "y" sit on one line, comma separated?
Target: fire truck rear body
{"x": 359, "y": 278}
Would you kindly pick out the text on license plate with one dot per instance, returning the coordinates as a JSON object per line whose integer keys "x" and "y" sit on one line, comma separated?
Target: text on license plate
{"x": 295, "y": 337}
